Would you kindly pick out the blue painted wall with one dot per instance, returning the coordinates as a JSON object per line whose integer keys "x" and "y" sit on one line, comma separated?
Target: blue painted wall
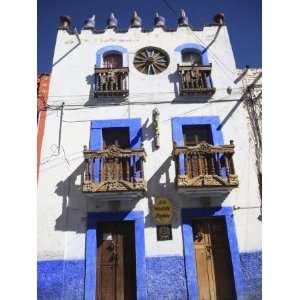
{"x": 60, "y": 280}
{"x": 64, "y": 280}
{"x": 166, "y": 278}
{"x": 251, "y": 265}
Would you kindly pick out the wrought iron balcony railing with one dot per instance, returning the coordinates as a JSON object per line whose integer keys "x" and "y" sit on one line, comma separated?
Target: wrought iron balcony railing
{"x": 111, "y": 82}
{"x": 114, "y": 170}
{"x": 195, "y": 80}
{"x": 205, "y": 166}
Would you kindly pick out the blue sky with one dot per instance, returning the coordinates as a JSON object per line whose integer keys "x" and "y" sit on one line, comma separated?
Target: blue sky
{"x": 243, "y": 18}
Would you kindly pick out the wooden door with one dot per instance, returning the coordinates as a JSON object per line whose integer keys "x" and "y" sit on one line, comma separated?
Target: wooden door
{"x": 195, "y": 163}
{"x": 116, "y": 272}
{"x": 190, "y": 58}
{"x": 116, "y": 168}
{"x": 213, "y": 262}
{"x": 112, "y": 61}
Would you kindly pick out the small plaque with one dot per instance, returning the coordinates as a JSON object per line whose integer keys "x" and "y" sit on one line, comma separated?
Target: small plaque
{"x": 162, "y": 210}
{"x": 164, "y": 232}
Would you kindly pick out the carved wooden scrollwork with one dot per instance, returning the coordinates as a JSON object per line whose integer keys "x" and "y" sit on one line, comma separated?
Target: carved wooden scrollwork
{"x": 205, "y": 165}
{"x": 204, "y": 148}
{"x": 119, "y": 169}
{"x": 113, "y": 186}
{"x": 114, "y": 151}
{"x": 206, "y": 181}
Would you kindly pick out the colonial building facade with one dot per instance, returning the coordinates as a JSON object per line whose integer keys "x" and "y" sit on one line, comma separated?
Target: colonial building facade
{"x": 148, "y": 184}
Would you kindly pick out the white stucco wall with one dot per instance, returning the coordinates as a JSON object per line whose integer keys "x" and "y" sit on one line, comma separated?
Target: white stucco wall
{"x": 62, "y": 207}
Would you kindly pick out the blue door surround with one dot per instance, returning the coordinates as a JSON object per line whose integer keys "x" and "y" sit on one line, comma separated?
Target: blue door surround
{"x": 91, "y": 250}
{"x": 188, "y": 214}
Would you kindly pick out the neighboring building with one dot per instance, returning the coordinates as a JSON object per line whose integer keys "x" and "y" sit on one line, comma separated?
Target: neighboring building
{"x": 43, "y": 81}
{"x": 148, "y": 180}
{"x": 252, "y": 89}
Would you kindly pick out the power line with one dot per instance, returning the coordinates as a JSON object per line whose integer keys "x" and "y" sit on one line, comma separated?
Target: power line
{"x": 83, "y": 106}
{"x": 131, "y": 95}
{"x": 191, "y": 32}
{"x": 170, "y": 7}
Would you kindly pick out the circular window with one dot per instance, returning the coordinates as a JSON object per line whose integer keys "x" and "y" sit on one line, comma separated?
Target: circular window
{"x": 151, "y": 60}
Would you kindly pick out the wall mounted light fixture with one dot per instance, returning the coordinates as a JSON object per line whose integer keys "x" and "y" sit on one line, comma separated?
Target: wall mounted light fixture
{"x": 155, "y": 119}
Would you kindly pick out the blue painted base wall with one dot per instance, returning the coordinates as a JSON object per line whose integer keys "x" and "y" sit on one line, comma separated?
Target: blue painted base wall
{"x": 166, "y": 278}
{"x": 60, "y": 280}
{"x": 251, "y": 265}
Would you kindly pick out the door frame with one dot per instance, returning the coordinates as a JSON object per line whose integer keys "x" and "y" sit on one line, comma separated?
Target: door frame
{"x": 91, "y": 250}
{"x": 188, "y": 214}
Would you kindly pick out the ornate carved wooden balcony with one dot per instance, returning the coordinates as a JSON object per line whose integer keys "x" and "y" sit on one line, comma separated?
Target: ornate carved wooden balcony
{"x": 195, "y": 80}
{"x": 111, "y": 82}
{"x": 114, "y": 173}
{"x": 205, "y": 169}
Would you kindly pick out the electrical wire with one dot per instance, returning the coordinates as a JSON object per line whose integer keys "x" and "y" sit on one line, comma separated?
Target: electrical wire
{"x": 130, "y": 102}
{"x": 204, "y": 44}
{"x": 75, "y": 107}
{"x": 137, "y": 95}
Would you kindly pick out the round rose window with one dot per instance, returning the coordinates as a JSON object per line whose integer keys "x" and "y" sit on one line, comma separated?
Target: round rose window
{"x": 151, "y": 60}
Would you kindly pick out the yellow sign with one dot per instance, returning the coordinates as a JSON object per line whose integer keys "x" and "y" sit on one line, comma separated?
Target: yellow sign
{"x": 162, "y": 210}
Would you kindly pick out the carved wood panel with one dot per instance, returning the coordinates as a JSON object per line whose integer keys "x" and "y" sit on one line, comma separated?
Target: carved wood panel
{"x": 116, "y": 271}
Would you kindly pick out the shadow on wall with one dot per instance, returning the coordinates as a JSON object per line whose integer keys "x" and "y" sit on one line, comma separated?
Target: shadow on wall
{"x": 100, "y": 101}
{"x": 160, "y": 185}
{"x": 148, "y": 133}
{"x": 174, "y": 78}
{"x": 66, "y": 54}
{"x": 74, "y": 203}
{"x": 90, "y": 79}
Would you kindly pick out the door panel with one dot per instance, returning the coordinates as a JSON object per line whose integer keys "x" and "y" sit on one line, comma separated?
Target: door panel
{"x": 116, "y": 168}
{"x": 195, "y": 163}
{"x": 112, "y": 61}
{"x": 116, "y": 261}
{"x": 213, "y": 264}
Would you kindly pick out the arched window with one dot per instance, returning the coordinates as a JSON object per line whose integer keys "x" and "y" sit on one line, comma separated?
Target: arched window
{"x": 191, "y": 58}
{"x": 112, "y": 60}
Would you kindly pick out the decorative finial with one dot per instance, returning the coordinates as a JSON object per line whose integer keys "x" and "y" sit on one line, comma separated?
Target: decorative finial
{"x": 219, "y": 18}
{"x": 159, "y": 21}
{"x": 90, "y": 23}
{"x": 64, "y": 21}
{"x": 112, "y": 21}
{"x": 183, "y": 19}
{"x": 136, "y": 21}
